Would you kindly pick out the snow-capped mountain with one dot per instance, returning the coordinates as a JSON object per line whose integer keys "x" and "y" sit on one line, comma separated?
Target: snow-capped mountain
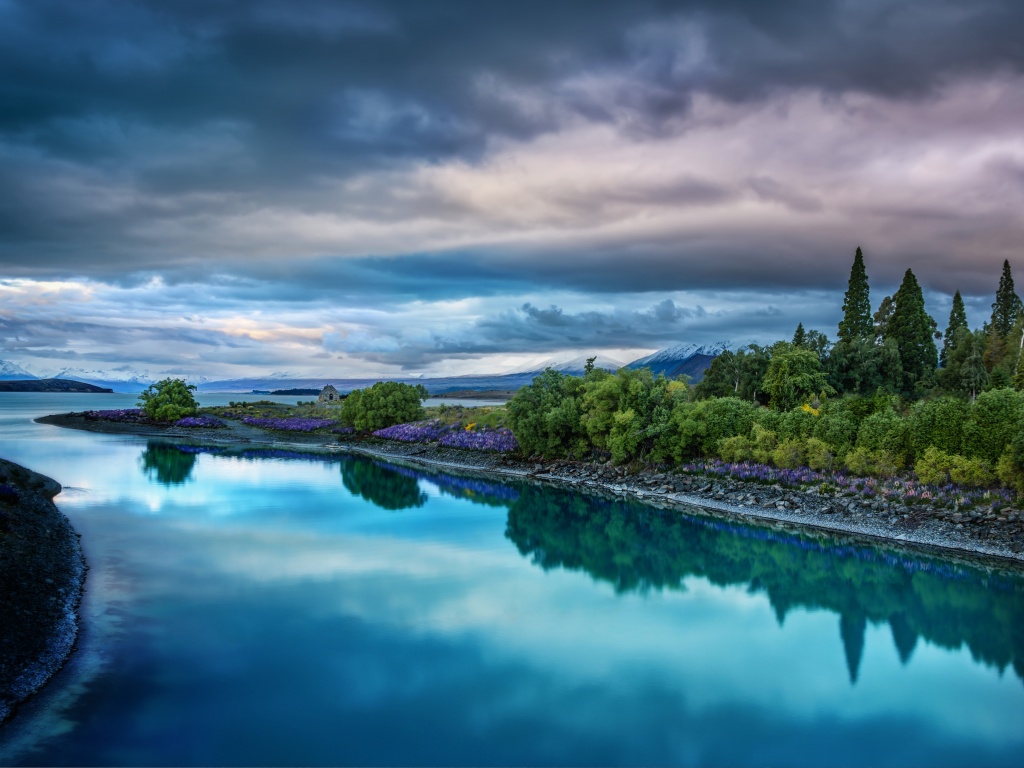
{"x": 683, "y": 359}
{"x": 13, "y": 372}
{"x": 118, "y": 379}
{"x": 681, "y": 352}
{"x": 572, "y": 365}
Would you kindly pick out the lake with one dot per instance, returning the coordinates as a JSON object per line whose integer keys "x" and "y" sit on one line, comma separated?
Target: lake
{"x": 274, "y": 608}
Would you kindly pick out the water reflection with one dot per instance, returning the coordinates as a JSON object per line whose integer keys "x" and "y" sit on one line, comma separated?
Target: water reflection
{"x": 380, "y": 484}
{"x": 167, "y": 464}
{"x": 637, "y": 548}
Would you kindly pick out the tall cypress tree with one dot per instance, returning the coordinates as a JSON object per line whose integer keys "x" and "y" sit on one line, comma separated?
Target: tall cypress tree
{"x": 1007, "y": 305}
{"x": 912, "y": 328}
{"x": 800, "y": 337}
{"x": 957, "y": 321}
{"x": 856, "y": 322}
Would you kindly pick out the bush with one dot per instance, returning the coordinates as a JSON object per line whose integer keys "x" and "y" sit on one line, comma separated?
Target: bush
{"x": 383, "y": 404}
{"x": 700, "y": 427}
{"x": 995, "y": 419}
{"x": 765, "y": 443}
{"x": 819, "y": 454}
{"x": 973, "y": 472}
{"x": 545, "y": 416}
{"x": 938, "y": 422}
{"x": 169, "y": 400}
{"x": 736, "y": 449}
{"x": 933, "y": 467}
{"x": 881, "y": 463}
{"x": 789, "y": 454}
{"x": 837, "y": 430}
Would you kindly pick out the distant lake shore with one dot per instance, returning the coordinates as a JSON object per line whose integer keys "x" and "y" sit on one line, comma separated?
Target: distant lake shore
{"x": 998, "y": 541}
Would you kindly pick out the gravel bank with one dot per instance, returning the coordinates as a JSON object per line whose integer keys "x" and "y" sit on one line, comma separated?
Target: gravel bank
{"x": 42, "y": 572}
{"x": 989, "y": 535}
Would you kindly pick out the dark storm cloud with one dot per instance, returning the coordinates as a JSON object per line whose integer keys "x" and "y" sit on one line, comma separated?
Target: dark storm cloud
{"x": 117, "y": 113}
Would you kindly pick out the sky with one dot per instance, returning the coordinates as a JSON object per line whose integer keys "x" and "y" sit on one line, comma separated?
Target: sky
{"x": 228, "y": 188}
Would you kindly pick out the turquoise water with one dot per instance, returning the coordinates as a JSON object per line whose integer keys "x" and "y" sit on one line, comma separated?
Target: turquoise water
{"x": 268, "y": 608}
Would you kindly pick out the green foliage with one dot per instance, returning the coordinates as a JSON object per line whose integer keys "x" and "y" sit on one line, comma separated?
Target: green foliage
{"x": 382, "y": 405}
{"x": 957, "y": 323}
{"x": 1010, "y": 468}
{"x": 169, "y": 400}
{"x": 856, "y": 323}
{"x": 995, "y": 419}
{"x": 789, "y": 454}
{"x": 819, "y": 454}
{"x": 700, "y": 427}
{"x": 626, "y": 412}
{"x": 883, "y": 430}
{"x": 938, "y": 423}
{"x": 933, "y": 467}
{"x": 796, "y": 424}
{"x": 735, "y": 374}
{"x": 1007, "y": 306}
{"x": 793, "y": 377}
{"x": 865, "y": 462}
{"x": 970, "y": 472}
{"x": 837, "y": 430}
{"x": 913, "y": 331}
{"x": 736, "y": 449}
{"x": 545, "y": 416}
{"x": 765, "y": 442}
{"x": 800, "y": 337}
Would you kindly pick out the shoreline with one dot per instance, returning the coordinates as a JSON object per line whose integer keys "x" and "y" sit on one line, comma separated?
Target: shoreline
{"x": 995, "y": 543}
{"x": 42, "y": 575}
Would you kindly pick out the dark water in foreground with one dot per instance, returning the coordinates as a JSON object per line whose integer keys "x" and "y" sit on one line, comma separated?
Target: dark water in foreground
{"x": 271, "y": 608}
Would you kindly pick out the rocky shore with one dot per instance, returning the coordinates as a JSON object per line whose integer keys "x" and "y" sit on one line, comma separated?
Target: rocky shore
{"x": 42, "y": 572}
{"x": 984, "y": 533}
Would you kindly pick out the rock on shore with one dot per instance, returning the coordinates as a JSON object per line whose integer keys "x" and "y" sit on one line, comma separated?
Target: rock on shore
{"x": 42, "y": 572}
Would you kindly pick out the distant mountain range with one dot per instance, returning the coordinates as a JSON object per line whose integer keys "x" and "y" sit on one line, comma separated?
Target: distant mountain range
{"x": 14, "y": 372}
{"x": 683, "y": 359}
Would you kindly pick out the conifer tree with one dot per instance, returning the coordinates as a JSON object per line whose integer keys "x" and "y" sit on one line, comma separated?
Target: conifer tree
{"x": 856, "y": 322}
{"x": 912, "y": 330}
{"x": 1007, "y": 305}
{"x": 800, "y": 337}
{"x": 957, "y": 320}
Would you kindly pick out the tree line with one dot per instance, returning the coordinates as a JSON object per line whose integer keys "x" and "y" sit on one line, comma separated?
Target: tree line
{"x": 893, "y": 392}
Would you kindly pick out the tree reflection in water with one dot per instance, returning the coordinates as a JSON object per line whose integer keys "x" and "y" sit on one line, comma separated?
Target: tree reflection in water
{"x": 381, "y": 484}
{"x": 639, "y": 548}
{"x": 167, "y": 464}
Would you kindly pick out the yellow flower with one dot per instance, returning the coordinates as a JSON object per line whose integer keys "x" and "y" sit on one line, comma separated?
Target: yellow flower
{"x": 806, "y": 407}
{"x": 470, "y": 426}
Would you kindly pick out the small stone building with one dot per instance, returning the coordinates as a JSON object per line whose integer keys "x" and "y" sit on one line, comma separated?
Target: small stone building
{"x": 329, "y": 395}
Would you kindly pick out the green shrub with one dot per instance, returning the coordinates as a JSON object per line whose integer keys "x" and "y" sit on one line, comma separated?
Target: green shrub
{"x": 858, "y": 461}
{"x": 819, "y": 454}
{"x": 971, "y": 472}
{"x": 765, "y": 443}
{"x": 837, "y": 430}
{"x": 382, "y": 405}
{"x": 545, "y": 416}
{"x": 796, "y": 424}
{"x": 789, "y": 454}
{"x": 933, "y": 467}
{"x": 938, "y": 422}
{"x": 736, "y": 449}
{"x": 169, "y": 400}
{"x": 995, "y": 418}
{"x": 881, "y": 463}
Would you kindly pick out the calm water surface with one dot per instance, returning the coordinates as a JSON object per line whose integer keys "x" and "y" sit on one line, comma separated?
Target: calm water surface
{"x": 265, "y": 608}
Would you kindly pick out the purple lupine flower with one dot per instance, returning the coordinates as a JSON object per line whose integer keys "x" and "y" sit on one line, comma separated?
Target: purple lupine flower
{"x": 289, "y": 424}
{"x": 206, "y": 422}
